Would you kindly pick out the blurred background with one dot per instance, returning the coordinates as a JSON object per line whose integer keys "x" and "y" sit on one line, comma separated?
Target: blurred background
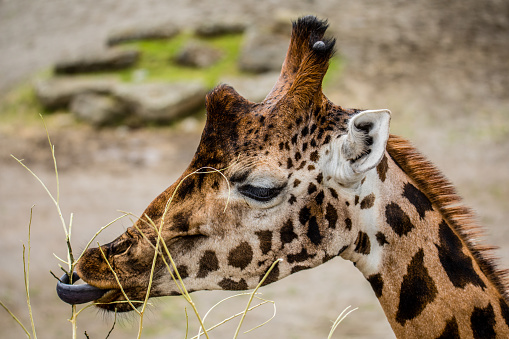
{"x": 121, "y": 85}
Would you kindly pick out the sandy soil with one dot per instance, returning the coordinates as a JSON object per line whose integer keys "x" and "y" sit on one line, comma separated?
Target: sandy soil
{"x": 442, "y": 71}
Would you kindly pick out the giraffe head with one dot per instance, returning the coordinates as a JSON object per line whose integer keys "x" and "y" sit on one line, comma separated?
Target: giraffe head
{"x": 268, "y": 181}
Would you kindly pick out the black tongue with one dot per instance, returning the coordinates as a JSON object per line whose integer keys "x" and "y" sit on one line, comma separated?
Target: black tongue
{"x": 77, "y": 294}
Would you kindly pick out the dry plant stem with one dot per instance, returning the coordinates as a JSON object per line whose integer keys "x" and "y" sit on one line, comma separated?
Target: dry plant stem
{"x": 339, "y": 319}
{"x": 26, "y": 273}
{"x": 253, "y": 294}
{"x": 181, "y": 286}
{"x": 16, "y": 319}
{"x": 53, "y": 156}
{"x": 147, "y": 295}
{"x": 70, "y": 259}
{"x": 187, "y": 323}
{"x": 237, "y": 314}
{"x": 47, "y": 191}
{"x": 67, "y": 230}
{"x": 112, "y": 327}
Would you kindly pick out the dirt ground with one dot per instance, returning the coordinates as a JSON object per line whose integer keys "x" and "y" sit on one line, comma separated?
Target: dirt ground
{"x": 443, "y": 72}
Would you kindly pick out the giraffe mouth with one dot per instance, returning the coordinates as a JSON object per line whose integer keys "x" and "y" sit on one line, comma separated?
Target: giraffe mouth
{"x": 77, "y": 294}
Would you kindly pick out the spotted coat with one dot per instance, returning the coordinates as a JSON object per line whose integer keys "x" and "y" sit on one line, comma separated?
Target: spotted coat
{"x": 300, "y": 179}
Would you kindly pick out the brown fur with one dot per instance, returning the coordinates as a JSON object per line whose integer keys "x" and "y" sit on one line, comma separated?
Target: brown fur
{"x": 443, "y": 195}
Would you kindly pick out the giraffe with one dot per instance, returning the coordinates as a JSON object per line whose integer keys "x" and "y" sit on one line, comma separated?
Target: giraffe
{"x": 302, "y": 179}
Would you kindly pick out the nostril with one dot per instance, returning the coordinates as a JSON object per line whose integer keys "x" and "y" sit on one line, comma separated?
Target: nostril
{"x": 120, "y": 247}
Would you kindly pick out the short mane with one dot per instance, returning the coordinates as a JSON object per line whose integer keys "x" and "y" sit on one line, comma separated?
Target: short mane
{"x": 443, "y": 195}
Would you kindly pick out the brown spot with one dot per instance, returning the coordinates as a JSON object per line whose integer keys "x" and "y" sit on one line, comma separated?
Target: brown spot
{"x": 298, "y": 268}
{"x": 289, "y": 163}
{"x": 182, "y": 269}
{"x": 265, "y": 238}
{"x": 180, "y": 222}
{"x": 314, "y": 157}
{"x": 382, "y": 168}
{"x": 299, "y": 257}
{"x": 311, "y": 188}
{"x": 292, "y": 199}
{"x": 356, "y": 200}
{"x": 296, "y": 183}
{"x": 398, "y": 220}
{"x": 417, "y": 278}
{"x": 287, "y": 233}
{"x": 304, "y": 215}
{"x": 362, "y": 244}
{"x": 483, "y": 322}
{"x": 456, "y": 264}
{"x": 319, "y": 198}
{"x": 333, "y": 193}
{"x": 380, "y": 238}
{"x": 208, "y": 263}
{"x": 331, "y": 215}
{"x": 348, "y": 224}
{"x": 377, "y": 283}
{"x": 319, "y": 178}
{"x": 241, "y": 256}
{"x": 232, "y": 285}
{"x": 451, "y": 330}
{"x": 368, "y": 201}
{"x": 313, "y": 232}
{"x": 418, "y": 199}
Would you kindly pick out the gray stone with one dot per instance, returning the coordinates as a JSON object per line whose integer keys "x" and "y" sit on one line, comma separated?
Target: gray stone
{"x": 110, "y": 60}
{"x": 196, "y": 54}
{"x": 57, "y": 92}
{"x": 212, "y": 28}
{"x": 97, "y": 109}
{"x": 254, "y": 88}
{"x": 143, "y": 31}
{"x": 161, "y": 102}
{"x": 262, "y": 50}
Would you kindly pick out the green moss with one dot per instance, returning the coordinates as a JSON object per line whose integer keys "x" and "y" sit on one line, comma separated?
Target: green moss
{"x": 156, "y": 63}
{"x": 21, "y": 108}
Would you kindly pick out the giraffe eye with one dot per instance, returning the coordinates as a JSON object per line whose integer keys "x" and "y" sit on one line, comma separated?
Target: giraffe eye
{"x": 262, "y": 194}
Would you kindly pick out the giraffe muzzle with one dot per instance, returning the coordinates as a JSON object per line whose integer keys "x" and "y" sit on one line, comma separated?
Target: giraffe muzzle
{"x": 77, "y": 294}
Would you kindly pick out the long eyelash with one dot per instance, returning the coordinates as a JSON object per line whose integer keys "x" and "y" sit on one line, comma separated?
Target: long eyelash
{"x": 262, "y": 194}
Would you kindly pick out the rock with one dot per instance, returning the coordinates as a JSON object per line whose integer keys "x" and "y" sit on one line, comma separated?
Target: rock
{"x": 161, "y": 102}
{"x": 110, "y": 60}
{"x": 196, "y": 54}
{"x": 97, "y": 109}
{"x": 57, "y": 92}
{"x": 254, "y": 88}
{"x": 145, "y": 31}
{"x": 212, "y": 28}
{"x": 262, "y": 50}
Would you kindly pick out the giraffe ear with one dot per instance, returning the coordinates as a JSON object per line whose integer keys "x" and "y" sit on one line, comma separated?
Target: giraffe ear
{"x": 362, "y": 148}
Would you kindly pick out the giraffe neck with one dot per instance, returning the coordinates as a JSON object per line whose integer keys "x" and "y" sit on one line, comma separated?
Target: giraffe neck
{"x": 427, "y": 280}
